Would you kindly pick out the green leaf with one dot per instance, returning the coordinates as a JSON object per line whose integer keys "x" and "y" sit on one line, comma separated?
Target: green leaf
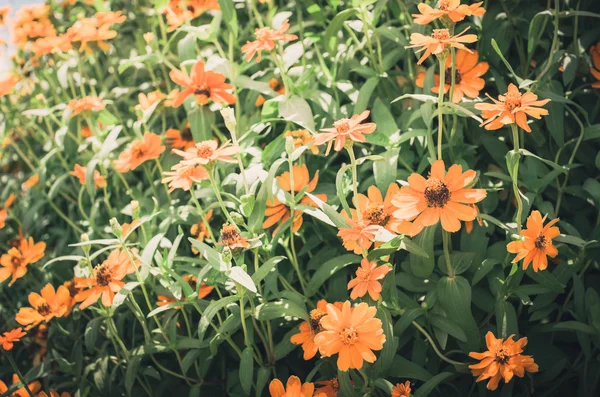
{"x": 335, "y": 26}
{"x": 133, "y": 366}
{"x": 266, "y": 191}
{"x": 386, "y": 357}
{"x": 575, "y": 326}
{"x": 266, "y": 268}
{"x": 404, "y": 368}
{"x": 346, "y": 384}
{"x": 211, "y": 310}
{"x": 201, "y": 120}
{"x": 460, "y": 261}
{"x": 297, "y": 110}
{"x": 229, "y": 15}
{"x": 365, "y": 93}
{"x": 454, "y": 294}
{"x": 506, "y": 319}
{"x": 425, "y": 389}
{"x": 419, "y": 265}
{"x": 546, "y": 279}
{"x": 497, "y": 49}
{"x": 213, "y": 257}
{"x": 448, "y": 326}
{"x": 407, "y": 318}
{"x": 326, "y": 270}
{"x": 339, "y": 187}
{"x": 555, "y": 121}
{"x": 536, "y": 27}
{"x": 385, "y": 171}
{"x": 262, "y": 378}
{"x": 336, "y": 219}
{"x": 90, "y": 184}
{"x": 247, "y": 369}
{"x": 282, "y": 308}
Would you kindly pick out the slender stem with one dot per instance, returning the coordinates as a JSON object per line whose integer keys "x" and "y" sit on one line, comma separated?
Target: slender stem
{"x": 442, "y": 60}
{"x": 446, "y": 241}
{"x": 437, "y": 351}
{"x": 211, "y": 176}
{"x": 293, "y": 256}
{"x": 203, "y": 216}
{"x": 515, "y": 177}
{"x": 19, "y": 375}
{"x": 350, "y": 150}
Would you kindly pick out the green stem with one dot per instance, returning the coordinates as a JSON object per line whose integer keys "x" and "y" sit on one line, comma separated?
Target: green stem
{"x": 211, "y": 176}
{"x": 431, "y": 341}
{"x": 442, "y": 60}
{"x": 350, "y": 150}
{"x": 16, "y": 370}
{"x": 446, "y": 241}
{"x": 203, "y": 216}
{"x": 515, "y": 176}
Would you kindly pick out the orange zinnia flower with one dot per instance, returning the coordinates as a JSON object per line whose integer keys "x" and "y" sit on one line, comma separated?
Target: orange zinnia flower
{"x": 7, "y": 85}
{"x": 126, "y": 227}
{"x": 467, "y": 79}
{"x": 595, "y": 69}
{"x": 204, "y": 85}
{"x": 512, "y": 107}
{"x": 503, "y": 359}
{"x": 180, "y": 140}
{"x": 14, "y": 262}
{"x": 88, "y": 103}
{"x": 31, "y": 23}
{"x": 536, "y": 244}
{"x": 48, "y": 45}
{"x": 294, "y": 388}
{"x": 375, "y": 209}
{"x": 95, "y": 30}
{"x": 54, "y": 393}
{"x": 106, "y": 279}
{"x": 145, "y": 101}
{"x": 22, "y": 392}
{"x": 140, "y": 151}
{"x": 439, "y": 40}
{"x": 346, "y": 129}
{"x": 184, "y": 176}
{"x": 80, "y": 172}
{"x": 265, "y": 40}
{"x": 277, "y": 211}
{"x": 73, "y": 291}
{"x": 330, "y": 388}
{"x": 367, "y": 280}
{"x": 206, "y": 152}
{"x": 276, "y": 86}
{"x": 440, "y": 197}
{"x": 351, "y": 332}
{"x": 451, "y": 9}
{"x": 9, "y": 338}
{"x": 31, "y": 182}
{"x": 178, "y": 15}
{"x": 200, "y": 230}
{"x": 51, "y": 303}
{"x": 309, "y": 329}
{"x": 359, "y": 236}
{"x": 231, "y": 237}
{"x": 205, "y": 289}
{"x": 3, "y": 211}
{"x": 401, "y": 390}
{"x": 3, "y": 14}
{"x": 303, "y": 138}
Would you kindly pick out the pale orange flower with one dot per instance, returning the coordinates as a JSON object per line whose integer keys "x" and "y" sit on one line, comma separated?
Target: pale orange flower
{"x": 86, "y": 132}
{"x": 88, "y": 103}
{"x": 467, "y": 79}
{"x": 439, "y": 40}
{"x": 442, "y": 197}
{"x": 536, "y": 245}
{"x": 22, "y": 392}
{"x": 451, "y": 9}
{"x": 4, "y": 210}
{"x": 294, "y": 388}
{"x": 140, "y": 151}
{"x": 106, "y": 279}
{"x": 376, "y": 210}
{"x": 9, "y": 338}
{"x": 276, "y": 86}
{"x": 48, "y": 45}
{"x": 231, "y": 237}
{"x": 343, "y": 129}
{"x": 303, "y": 138}
{"x": 180, "y": 140}
{"x": 184, "y": 176}
{"x": 512, "y": 107}
{"x": 178, "y": 15}
{"x": 14, "y": 263}
{"x": 168, "y": 103}
{"x": 4, "y": 10}
{"x": 353, "y": 333}
{"x": 205, "y": 152}
{"x": 265, "y": 40}
{"x": 309, "y": 329}
{"x": 204, "y": 290}
{"x": 32, "y": 22}
{"x": 80, "y": 172}
{"x": 277, "y": 211}
{"x": 367, "y": 280}
{"x": 145, "y": 101}
{"x": 95, "y": 30}
{"x": 7, "y": 85}
{"x": 31, "y": 182}
{"x": 205, "y": 85}
{"x": 358, "y": 236}
{"x": 401, "y": 390}
{"x": 51, "y": 303}
{"x": 126, "y": 227}
{"x": 503, "y": 359}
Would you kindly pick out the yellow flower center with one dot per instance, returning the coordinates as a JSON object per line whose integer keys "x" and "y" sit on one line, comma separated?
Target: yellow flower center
{"x": 436, "y": 193}
{"x": 441, "y": 34}
{"x": 512, "y": 100}
{"x": 541, "y": 242}
{"x": 375, "y": 214}
{"x": 349, "y": 336}
{"x": 103, "y": 276}
{"x": 342, "y": 126}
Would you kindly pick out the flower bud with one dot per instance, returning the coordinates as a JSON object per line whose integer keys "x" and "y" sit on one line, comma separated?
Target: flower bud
{"x": 289, "y": 145}
{"x": 237, "y": 218}
{"x": 116, "y": 228}
{"x": 84, "y": 239}
{"x": 229, "y": 117}
{"x": 135, "y": 209}
{"x": 227, "y": 255}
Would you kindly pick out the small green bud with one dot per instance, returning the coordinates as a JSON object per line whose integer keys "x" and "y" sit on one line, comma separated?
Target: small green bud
{"x": 135, "y": 209}
{"x": 227, "y": 255}
{"x": 116, "y": 228}
{"x": 237, "y": 218}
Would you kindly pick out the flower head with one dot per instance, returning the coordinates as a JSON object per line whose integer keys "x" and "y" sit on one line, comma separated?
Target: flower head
{"x": 4, "y": 10}
{"x": 451, "y": 9}
{"x": 205, "y": 152}
{"x": 503, "y": 359}
{"x": 192, "y": 281}
{"x": 359, "y": 236}
{"x": 8, "y": 84}
{"x": 231, "y": 237}
{"x": 45, "y": 306}
{"x": 9, "y": 338}
{"x": 367, "y": 280}
{"x": 14, "y": 263}
{"x": 265, "y": 40}
{"x": 140, "y": 151}
{"x": 205, "y": 85}
{"x": 512, "y": 107}
{"x": 302, "y": 138}
{"x": 22, "y": 392}
{"x": 276, "y": 86}
{"x": 344, "y": 129}
{"x": 80, "y": 172}
{"x": 95, "y": 30}
{"x": 4, "y": 209}
{"x": 330, "y": 387}
{"x": 54, "y": 393}
{"x": 51, "y": 44}
{"x": 178, "y": 15}
{"x": 443, "y": 196}
{"x": 353, "y": 333}
{"x": 595, "y": 69}
{"x": 184, "y": 176}
{"x": 201, "y": 229}
{"x": 31, "y": 182}
{"x": 182, "y": 140}
{"x": 88, "y": 103}
{"x": 536, "y": 245}
{"x": 439, "y": 41}
{"x": 401, "y": 390}
{"x": 294, "y": 388}
{"x": 146, "y": 101}
{"x": 309, "y": 329}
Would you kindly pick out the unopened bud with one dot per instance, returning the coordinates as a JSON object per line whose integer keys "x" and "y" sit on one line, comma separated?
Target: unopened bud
{"x": 237, "y": 218}
{"x": 289, "y": 145}
{"x": 227, "y": 255}
{"x": 84, "y": 239}
{"x": 135, "y": 209}
{"x": 229, "y": 118}
{"x": 116, "y": 228}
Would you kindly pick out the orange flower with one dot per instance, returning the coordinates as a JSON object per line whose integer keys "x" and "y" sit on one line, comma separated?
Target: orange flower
{"x": 8, "y": 339}
{"x": 95, "y": 30}
{"x": 276, "y": 86}
{"x": 145, "y": 101}
{"x": 359, "y": 236}
{"x": 51, "y": 303}
{"x": 86, "y": 132}
{"x": 376, "y": 210}
{"x": 277, "y": 211}
{"x": 88, "y": 103}
{"x": 31, "y": 182}
{"x": 204, "y": 85}
{"x": 265, "y": 40}
{"x": 7, "y": 85}
{"x": 184, "y": 176}
{"x": 503, "y": 359}
{"x": 201, "y": 230}
{"x": 308, "y": 329}
{"x": 367, "y": 280}
{"x": 14, "y": 262}
{"x": 303, "y": 138}
{"x": 439, "y": 40}
{"x": 206, "y": 152}
{"x": 180, "y": 140}
{"x": 536, "y": 244}
{"x": 4, "y": 210}
{"x": 231, "y": 237}
{"x": 126, "y": 227}
{"x": 178, "y": 15}
{"x": 22, "y": 392}
{"x": 48, "y": 45}
{"x": 205, "y": 289}
{"x": 31, "y": 23}
{"x": 345, "y": 129}
{"x": 80, "y": 173}
{"x": 467, "y": 79}
{"x": 330, "y": 388}
{"x": 73, "y": 291}
{"x": 512, "y": 107}
{"x": 351, "y": 332}
{"x": 54, "y": 393}
{"x": 401, "y": 390}
{"x": 450, "y": 9}
{"x": 140, "y": 151}
{"x": 469, "y": 224}
{"x": 294, "y": 388}
{"x": 440, "y": 197}
{"x": 106, "y": 279}
{"x": 3, "y": 14}
{"x": 595, "y": 69}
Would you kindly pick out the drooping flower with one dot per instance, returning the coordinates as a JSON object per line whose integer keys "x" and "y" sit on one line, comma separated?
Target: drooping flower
{"x": 184, "y": 176}
{"x": 443, "y": 196}
{"x": 467, "y": 76}
{"x": 140, "y": 151}
{"x": 9, "y": 338}
{"x": 452, "y": 9}
{"x": 367, "y": 280}
{"x": 88, "y": 103}
{"x": 231, "y": 237}
{"x": 344, "y": 129}
{"x": 401, "y": 390}
{"x": 180, "y": 140}
{"x": 503, "y": 359}
{"x": 4, "y": 210}
{"x": 205, "y": 85}
{"x": 536, "y": 245}
{"x": 22, "y": 392}
{"x": 359, "y": 236}
{"x": 309, "y": 329}
{"x": 203, "y": 291}
{"x": 276, "y": 86}
{"x": 14, "y": 263}
{"x": 439, "y": 40}
{"x": 294, "y": 388}
{"x": 206, "y": 152}
{"x": 512, "y": 107}
{"x": 353, "y": 333}
{"x": 45, "y": 306}
{"x": 265, "y": 40}
{"x": 31, "y": 182}
{"x": 277, "y": 211}
{"x": 303, "y": 138}
{"x": 80, "y": 172}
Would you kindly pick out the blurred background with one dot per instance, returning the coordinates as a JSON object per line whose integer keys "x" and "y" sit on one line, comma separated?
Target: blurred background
{"x": 5, "y": 32}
